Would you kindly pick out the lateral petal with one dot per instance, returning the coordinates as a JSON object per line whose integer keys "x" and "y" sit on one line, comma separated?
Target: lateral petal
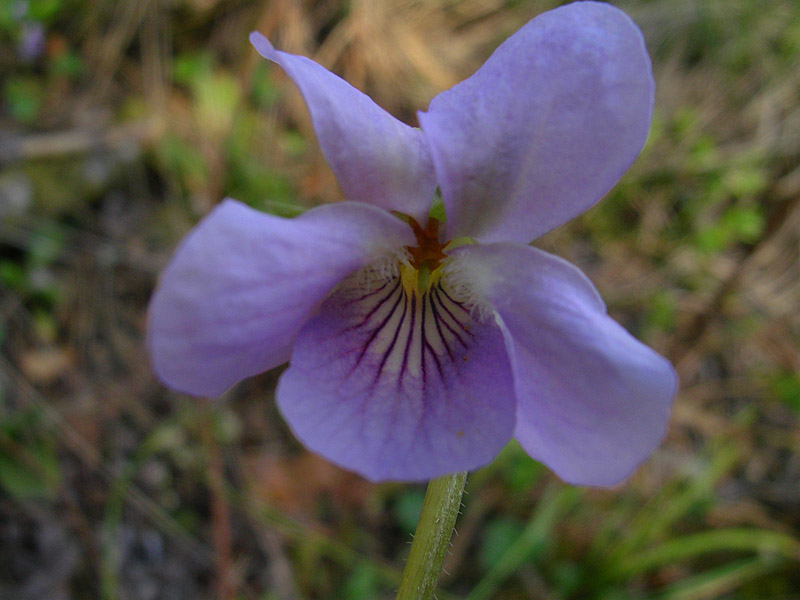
{"x": 398, "y": 385}
{"x": 593, "y": 402}
{"x": 545, "y": 127}
{"x": 376, "y": 158}
{"x": 242, "y": 283}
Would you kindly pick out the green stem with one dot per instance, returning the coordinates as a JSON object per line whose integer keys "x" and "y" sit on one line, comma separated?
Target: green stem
{"x": 439, "y": 512}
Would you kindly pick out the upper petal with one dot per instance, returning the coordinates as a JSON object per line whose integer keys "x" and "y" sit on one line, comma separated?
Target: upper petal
{"x": 398, "y": 385}
{"x": 376, "y": 158}
{"x": 593, "y": 402}
{"x": 545, "y": 127}
{"x": 242, "y": 283}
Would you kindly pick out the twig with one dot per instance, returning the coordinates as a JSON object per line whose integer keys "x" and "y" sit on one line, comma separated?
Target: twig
{"x": 220, "y": 514}
{"x": 15, "y": 148}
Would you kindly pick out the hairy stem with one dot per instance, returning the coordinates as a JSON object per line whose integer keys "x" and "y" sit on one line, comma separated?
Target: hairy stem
{"x": 432, "y": 537}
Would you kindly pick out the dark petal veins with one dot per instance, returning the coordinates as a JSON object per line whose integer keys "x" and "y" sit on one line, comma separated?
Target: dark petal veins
{"x": 395, "y": 335}
{"x": 441, "y": 317}
{"x": 399, "y": 385}
{"x": 397, "y": 294}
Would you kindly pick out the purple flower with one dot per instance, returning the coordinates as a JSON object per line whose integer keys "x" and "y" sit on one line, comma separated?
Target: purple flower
{"x": 419, "y": 348}
{"x": 31, "y": 42}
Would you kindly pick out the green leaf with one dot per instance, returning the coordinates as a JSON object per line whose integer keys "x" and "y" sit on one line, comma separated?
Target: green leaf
{"x": 554, "y": 504}
{"x": 744, "y": 223}
{"x": 24, "y": 97}
{"x": 44, "y": 10}
{"x": 519, "y": 471}
{"x": 715, "y": 583}
{"x": 407, "y": 508}
{"x": 12, "y": 275}
{"x": 498, "y": 536}
{"x": 759, "y": 541}
{"x": 662, "y": 313}
{"x": 35, "y": 477}
{"x": 189, "y": 68}
{"x": 216, "y": 99}
{"x": 786, "y": 387}
{"x": 363, "y": 583}
{"x": 67, "y": 64}
{"x": 263, "y": 90}
{"x": 654, "y": 521}
{"x": 745, "y": 181}
{"x": 182, "y": 159}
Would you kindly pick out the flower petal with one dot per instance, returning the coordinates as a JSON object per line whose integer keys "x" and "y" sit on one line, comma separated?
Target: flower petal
{"x": 395, "y": 385}
{"x": 242, "y": 283}
{"x": 545, "y": 127}
{"x": 376, "y": 158}
{"x": 593, "y": 401}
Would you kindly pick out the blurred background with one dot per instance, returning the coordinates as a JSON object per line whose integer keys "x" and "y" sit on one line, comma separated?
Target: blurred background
{"x": 122, "y": 123}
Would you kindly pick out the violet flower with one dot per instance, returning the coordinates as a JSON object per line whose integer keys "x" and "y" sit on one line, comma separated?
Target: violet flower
{"x": 419, "y": 348}
{"x": 32, "y": 41}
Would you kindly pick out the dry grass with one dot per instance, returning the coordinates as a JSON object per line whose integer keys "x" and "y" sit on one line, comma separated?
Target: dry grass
{"x": 130, "y": 458}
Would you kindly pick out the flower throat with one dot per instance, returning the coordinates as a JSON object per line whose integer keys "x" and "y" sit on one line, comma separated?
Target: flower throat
{"x": 425, "y": 259}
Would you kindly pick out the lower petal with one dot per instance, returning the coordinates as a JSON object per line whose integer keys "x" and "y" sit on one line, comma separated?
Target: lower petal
{"x": 399, "y": 385}
{"x": 242, "y": 283}
{"x": 593, "y": 401}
